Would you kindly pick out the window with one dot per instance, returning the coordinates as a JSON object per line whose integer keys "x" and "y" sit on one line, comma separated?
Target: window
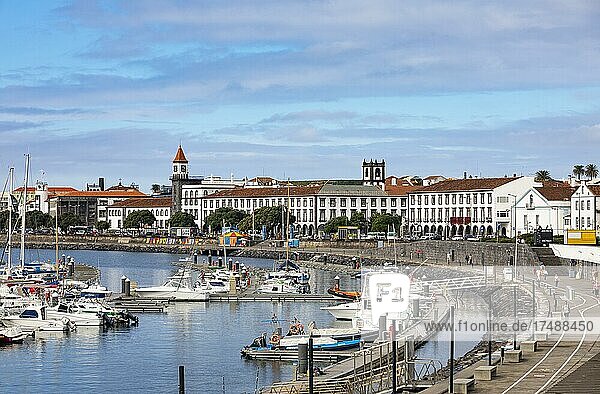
{"x": 174, "y": 168}
{"x": 304, "y": 202}
{"x": 412, "y": 200}
{"x": 331, "y": 213}
{"x": 426, "y": 214}
{"x": 426, "y": 200}
{"x": 499, "y": 199}
{"x": 182, "y": 168}
{"x": 474, "y": 198}
{"x": 321, "y": 202}
{"x": 363, "y": 202}
{"x": 468, "y": 198}
{"x": 447, "y": 199}
{"x": 342, "y": 202}
{"x": 292, "y": 202}
{"x": 432, "y": 200}
{"x": 440, "y": 199}
{"x": 489, "y": 198}
{"x": 589, "y": 222}
{"x": 489, "y": 211}
{"x": 576, "y": 205}
{"x": 373, "y": 202}
{"x": 332, "y": 202}
{"x": 537, "y": 220}
{"x": 342, "y": 212}
{"x": 412, "y": 214}
{"x": 460, "y": 212}
{"x": 460, "y": 199}
{"x": 418, "y": 214}
{"x": 588, "y": 205}
{"x": 454, "y": 199}
{"x": 321, "y": 215}
{"x": 403, "y": 202}
{"x": 383, "y": 202}
{"x": 353, "y": 202}
{"x": 419, "y": 200}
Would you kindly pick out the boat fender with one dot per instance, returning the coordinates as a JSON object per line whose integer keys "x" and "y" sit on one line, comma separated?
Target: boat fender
{"x": 275, "y": 338}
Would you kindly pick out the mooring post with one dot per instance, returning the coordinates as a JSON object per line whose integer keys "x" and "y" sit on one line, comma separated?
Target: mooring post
{"x": 514, "y": 316}
{"x": 311, "y": 366}
{"x": 451, "y": 388}
{"x": 181, "y": 379}
{"x": 394, "y": 356}
{"x": 490, "y": 333}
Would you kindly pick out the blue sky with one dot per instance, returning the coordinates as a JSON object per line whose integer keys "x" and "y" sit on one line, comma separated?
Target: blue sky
{"x": 303, "y": 89}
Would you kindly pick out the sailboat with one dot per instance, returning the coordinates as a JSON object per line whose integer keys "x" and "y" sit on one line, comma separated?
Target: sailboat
{"x": 287, "y": 270}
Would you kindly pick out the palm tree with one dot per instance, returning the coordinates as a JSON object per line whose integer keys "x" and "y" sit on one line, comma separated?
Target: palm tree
{"x": 542, "y": 175}
{"x": 591, "y": 171}
{"x": 578, "y": 171}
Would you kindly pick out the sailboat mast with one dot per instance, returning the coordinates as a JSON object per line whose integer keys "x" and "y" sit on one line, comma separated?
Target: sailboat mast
{"x": 56, "y": 239}
{"x": 22, "y": 254}
{"x": 287, "y": 227}
{"x": 11, "y": 179}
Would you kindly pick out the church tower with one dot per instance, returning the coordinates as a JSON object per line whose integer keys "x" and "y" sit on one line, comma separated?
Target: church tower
{"x": 178, "y": 177}
{"x": 373, "y": 172}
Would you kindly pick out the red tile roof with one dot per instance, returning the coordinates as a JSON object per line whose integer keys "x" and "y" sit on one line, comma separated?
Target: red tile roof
{"x": 556, "y": 193}
{"x": 267, "y": 192}
{"x": 154, "y": 202}
{"x": 451, "y": 185}
{"x": 400, "y": 190}
{"x": 595, "y": 189}
{"x": 51, "y": 189}
{"x": 107, "y": 193}
{"x": 180, "y": 156}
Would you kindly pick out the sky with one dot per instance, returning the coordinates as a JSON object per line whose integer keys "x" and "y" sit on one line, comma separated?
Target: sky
{"x": 299, "y": 89}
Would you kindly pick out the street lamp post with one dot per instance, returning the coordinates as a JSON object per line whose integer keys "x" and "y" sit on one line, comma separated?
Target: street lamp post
{"x": 516, "y": 239}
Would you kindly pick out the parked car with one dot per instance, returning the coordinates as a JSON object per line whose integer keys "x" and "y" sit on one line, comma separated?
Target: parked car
{"x": 471, "y": 237}
{"x": 457, "y": 238}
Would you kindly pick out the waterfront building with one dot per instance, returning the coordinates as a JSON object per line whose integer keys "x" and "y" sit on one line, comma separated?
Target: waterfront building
{"x": 39, "y": 197}
{"x": 160, "y": 207}
{"x": 585, "y": 207}
{"x": 546, "y": 207}
{"x": 187, "y": 191}
{"x": 91, "y": 206}
{"x": 478, "y": 206}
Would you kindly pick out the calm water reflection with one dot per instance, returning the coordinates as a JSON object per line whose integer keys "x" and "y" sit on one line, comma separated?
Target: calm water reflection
{"x": 206, "y": 338}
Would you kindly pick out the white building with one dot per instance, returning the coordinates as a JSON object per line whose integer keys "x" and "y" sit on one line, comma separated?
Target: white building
{"x": 585, "y": 208}
{"x": 479, "y": 206}
{"x": 547, "y": 207}
{"x": 160, "y": 207}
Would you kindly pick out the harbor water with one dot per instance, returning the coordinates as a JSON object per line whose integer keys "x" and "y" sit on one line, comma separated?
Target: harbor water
{"x": 204, "y": 337}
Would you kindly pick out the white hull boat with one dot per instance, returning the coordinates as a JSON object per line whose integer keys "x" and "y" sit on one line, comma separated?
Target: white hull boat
{"x": 35, "y": 319}
{"x": 176, "y": 288}
{"x": 274, "y": 286}
{"x": 80, "y": 319}
{"x": 346, "y": 311}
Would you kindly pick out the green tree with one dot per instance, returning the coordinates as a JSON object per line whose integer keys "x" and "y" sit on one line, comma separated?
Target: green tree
{"x": 139, "y": 219}
{"x": 102, "y": 225}
{"x": 332, "y": 225}
{"x": 385, "y": 222}
{"x": 182, "y": 219}
{"x": 542, "y": 175}
{"x": 359, "y": 220}
{"x": 229, "y": 216}
{"x": 4, "y": 219}
{"x": 578, "y": 171}
{"x": 270, "y": 217}
{"x": 591, "y": 171}
{"x": 155, "y": 188}
{"x": 38, "y": 219}
{"x": 67, "y": 220}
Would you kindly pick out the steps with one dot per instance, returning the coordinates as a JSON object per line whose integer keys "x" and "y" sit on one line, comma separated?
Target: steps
{"x": 546, "y": 256}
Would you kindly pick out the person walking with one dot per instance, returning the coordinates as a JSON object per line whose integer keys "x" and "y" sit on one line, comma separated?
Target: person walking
{"x": 566, "y": 310}
{"x": 556, "y": 280}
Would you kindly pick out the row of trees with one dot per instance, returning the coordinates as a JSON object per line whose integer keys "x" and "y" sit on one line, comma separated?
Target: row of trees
{"x": 380, "y": 222}
{"x": 138, "y": 219}
{"x": 270, "y": 217}
{"x": 590, "y": 171}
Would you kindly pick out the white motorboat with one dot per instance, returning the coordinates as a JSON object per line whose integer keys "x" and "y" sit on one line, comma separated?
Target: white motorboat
{"x": 345, "y": 311}
{"x": 75, "y": 315}
{"x": 176, "y": 288}
{"x": 96, "y": 291}
{"x": 11, "y": 335}
{"x": 34, "y": 318}
{"x": 279, "y": 286}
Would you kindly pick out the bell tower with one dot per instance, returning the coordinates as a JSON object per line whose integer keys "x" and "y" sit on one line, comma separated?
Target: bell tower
{"x": 373, "y": 172}
{"x": 179, "y": 175}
